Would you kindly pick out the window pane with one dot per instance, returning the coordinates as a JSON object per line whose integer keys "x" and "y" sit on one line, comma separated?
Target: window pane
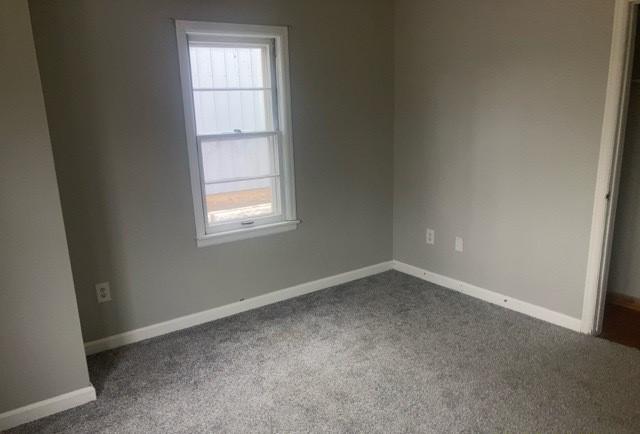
{"x": 226, "y": 111}
{"x": 241, "y": 200}
{"x": 244, "y": 158}
{"x": 225, "y": 67}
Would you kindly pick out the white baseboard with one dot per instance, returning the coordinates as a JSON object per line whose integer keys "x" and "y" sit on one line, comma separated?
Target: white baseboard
{"x": 187, "y": 321}
{"x": 41, "y": 409}
{"x": 529, "y": 309}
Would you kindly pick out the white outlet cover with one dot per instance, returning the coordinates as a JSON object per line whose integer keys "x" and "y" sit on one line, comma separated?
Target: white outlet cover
{"x": 103, "y": 292}
{"x": 459, "y": 244}
{"x": 430, "y": 237}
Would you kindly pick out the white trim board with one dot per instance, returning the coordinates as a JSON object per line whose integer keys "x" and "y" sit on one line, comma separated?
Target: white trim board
{"x": 609, "y": 163}
{"x": 529, "y": 309}
{"x": 41, "y": 409}
{"x": 187, "y": 321}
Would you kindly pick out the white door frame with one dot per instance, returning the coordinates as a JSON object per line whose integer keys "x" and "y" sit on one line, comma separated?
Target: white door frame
{"x": 609, "y": 162}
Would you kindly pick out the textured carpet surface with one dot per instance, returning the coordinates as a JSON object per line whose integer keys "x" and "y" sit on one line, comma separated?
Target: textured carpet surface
{"x": 388, "y": 353}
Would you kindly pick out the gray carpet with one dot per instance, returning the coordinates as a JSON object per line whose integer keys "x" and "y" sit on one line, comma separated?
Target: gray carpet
{"x": 389, "y": 353}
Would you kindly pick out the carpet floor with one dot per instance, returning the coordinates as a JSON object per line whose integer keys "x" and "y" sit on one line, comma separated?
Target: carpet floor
{"x": 388, "y": 353}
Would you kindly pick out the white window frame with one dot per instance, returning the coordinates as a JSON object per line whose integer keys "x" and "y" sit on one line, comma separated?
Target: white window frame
{"x": 287, "y": 219}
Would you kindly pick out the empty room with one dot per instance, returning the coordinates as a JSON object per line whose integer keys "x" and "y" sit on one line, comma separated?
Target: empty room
{"x": 319, "y": 216}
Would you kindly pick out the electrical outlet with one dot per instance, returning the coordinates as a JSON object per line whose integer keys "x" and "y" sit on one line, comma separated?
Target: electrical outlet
{"x": 430, "y": 236}
{"x": 459, "y": 244}
{"x": 103, "y": 292}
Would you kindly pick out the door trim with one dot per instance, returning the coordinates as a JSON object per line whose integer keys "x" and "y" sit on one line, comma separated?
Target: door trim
{"x": 609, "y": 161}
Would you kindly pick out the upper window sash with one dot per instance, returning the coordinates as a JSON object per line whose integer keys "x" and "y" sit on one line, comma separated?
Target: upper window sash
{"x": 265, "y": 89}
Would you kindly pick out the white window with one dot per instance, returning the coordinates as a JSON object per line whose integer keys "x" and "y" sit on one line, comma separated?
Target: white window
{"x": 235, "y": 84}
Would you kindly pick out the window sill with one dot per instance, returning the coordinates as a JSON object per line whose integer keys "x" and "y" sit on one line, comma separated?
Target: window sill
{"x": 243, "y": 234}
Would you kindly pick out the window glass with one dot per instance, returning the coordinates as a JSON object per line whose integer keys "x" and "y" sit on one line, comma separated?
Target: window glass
{"x": 240, "y": 200}
{"x": 243, "y": 158}
{"x": 221, "y": 111}
{"x": 216, "y": 67}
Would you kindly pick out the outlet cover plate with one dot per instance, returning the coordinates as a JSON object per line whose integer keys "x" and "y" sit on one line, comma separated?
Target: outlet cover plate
{"x": 430, "y": 236}
{"x": 103, "y": 292}
{"x": 459, "y": 244}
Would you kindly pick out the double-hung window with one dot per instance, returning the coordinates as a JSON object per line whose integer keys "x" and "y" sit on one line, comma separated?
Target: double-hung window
{"x": 235, "y": 84}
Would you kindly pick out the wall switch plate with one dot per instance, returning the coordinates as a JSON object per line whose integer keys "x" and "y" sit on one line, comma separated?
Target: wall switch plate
{"x": 430, "y": 236}
{"x": 103, "y": 292}
{"x": 459, "y": 244}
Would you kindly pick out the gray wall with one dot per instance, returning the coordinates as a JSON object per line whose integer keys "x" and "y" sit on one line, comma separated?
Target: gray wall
{"x": 41, "y": 353}
{"x": 499, "y": 109}
{"x": 624, "y": 273}
{"x": 112, "y": 91}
